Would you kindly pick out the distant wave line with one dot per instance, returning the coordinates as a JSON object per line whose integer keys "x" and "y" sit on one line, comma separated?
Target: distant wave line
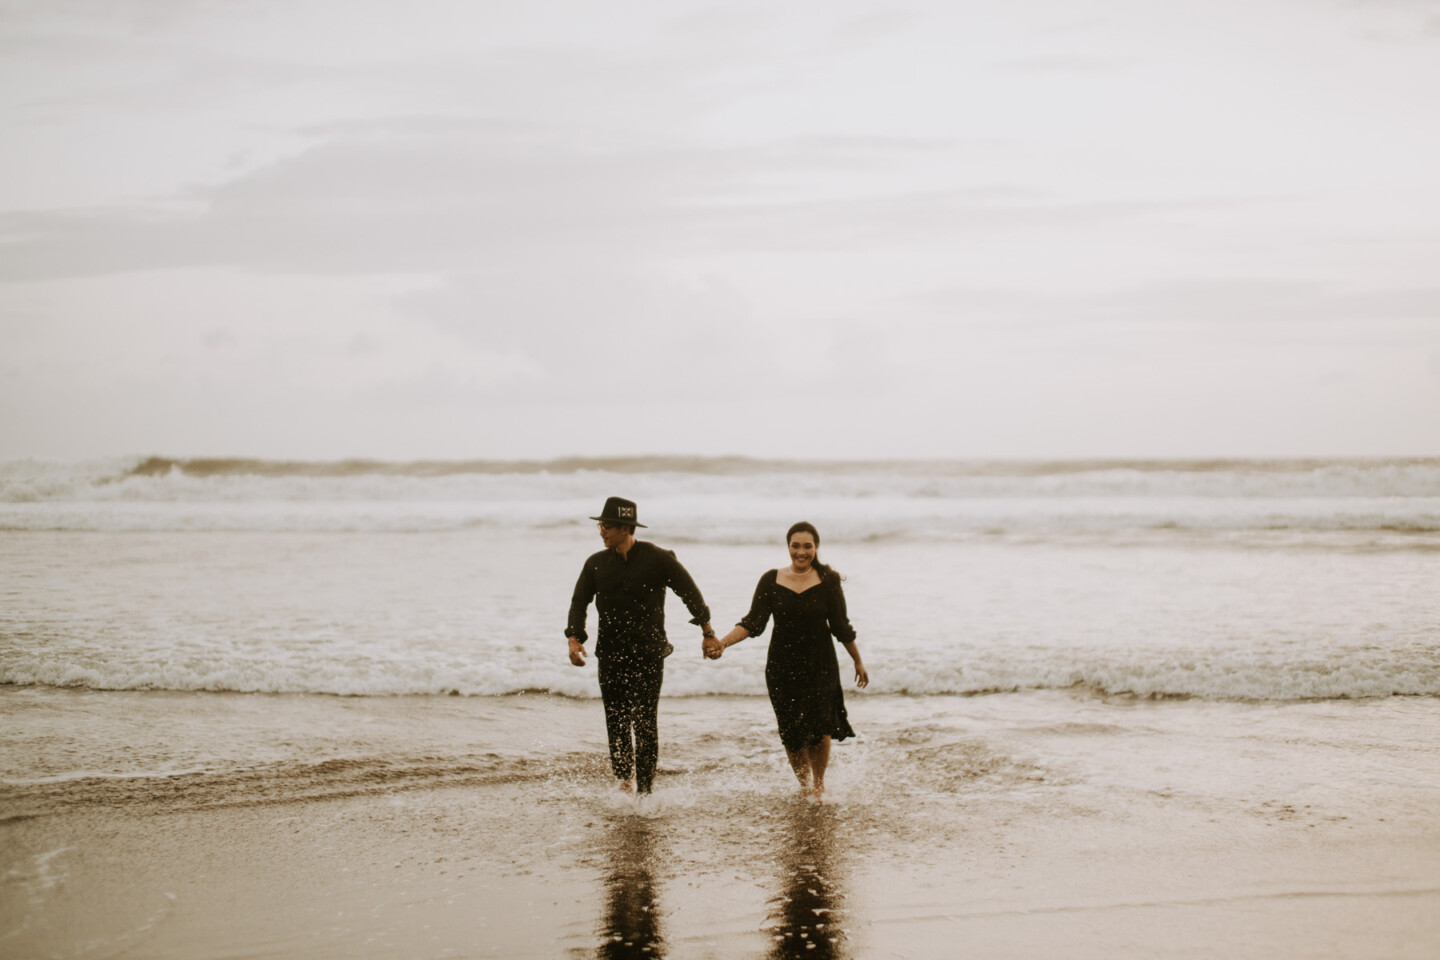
{"x": 745, "y": 466}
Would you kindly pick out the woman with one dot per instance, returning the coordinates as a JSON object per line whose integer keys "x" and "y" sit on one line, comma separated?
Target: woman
{"x": 802, "y": 672}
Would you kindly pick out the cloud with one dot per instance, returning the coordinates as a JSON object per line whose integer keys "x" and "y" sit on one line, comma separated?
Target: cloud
{"x": 458, "y": 382}
{"x": 218, "y": 338}
{"x": 875, "y": 27}
{"x": 92, "y": 15}
{"x": 1399, "y": 19}
{"x": 371, "y": 203}
{"x": 718, "y": 25}
{"x": 1202, "y": 302}
{"x": 586, "y": 320}
{"x": 437, "y": 196}
{"x": 1251, "y": 300}
{"x": 1060, "y": 63}
{"x": 1072, "y": 26}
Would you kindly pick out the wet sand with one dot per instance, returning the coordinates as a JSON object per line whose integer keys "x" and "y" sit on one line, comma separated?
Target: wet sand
{"x": 1011, "y": 827}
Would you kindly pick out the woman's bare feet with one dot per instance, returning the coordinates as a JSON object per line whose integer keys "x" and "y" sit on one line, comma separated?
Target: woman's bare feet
{"x": 817, "y": 792}
{"x": 800, "y": 764}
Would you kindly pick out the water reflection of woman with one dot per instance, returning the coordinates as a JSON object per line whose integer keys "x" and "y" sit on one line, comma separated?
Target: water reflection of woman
{"x": 807, "y": 918}
{"x": 801, "y": 671}
{"x": 631, "y": 926}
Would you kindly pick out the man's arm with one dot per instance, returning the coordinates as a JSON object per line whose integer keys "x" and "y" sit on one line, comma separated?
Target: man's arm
{"x": 575, "y": 625}
{"x": 683, "y": 584}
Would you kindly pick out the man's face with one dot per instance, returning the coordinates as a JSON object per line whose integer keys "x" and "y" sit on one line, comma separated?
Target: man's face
{"x": 612, "y": 534}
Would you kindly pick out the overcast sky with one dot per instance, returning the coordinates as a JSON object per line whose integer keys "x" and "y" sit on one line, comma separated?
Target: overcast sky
{"x": 329, "y": 228}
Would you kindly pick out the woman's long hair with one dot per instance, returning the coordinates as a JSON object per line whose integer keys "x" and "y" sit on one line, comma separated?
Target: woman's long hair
{"x": 826, "y": 571}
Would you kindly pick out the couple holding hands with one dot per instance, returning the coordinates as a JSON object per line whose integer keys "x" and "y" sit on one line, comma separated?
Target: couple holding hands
{"x": 627, "y": 581}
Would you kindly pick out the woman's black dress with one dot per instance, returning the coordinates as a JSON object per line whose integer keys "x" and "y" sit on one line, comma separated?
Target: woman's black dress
{"x": 802, "y": 672}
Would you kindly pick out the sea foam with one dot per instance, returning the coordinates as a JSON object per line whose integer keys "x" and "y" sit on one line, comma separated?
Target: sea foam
{"x": 1387, "y": 502}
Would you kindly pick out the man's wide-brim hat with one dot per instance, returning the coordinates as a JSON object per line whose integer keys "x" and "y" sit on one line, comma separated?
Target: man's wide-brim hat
{"x": 618, "y": 510}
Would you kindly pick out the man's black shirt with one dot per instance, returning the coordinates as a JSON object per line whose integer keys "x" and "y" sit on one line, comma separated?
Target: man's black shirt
{"x": 629, "y": 595}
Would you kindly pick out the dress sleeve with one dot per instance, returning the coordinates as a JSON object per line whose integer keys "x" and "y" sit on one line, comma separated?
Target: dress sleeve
{"x": 679, "y": 580}
{"x": 754, "y": 622}
{"x": 584, "y": 593}
{"x": 839, "y": 617}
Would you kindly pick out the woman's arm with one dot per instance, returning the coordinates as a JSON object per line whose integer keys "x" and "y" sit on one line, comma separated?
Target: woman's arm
{"x": 845, "y": 633}
{"x": 838, "y": 614}
{"x": 751, "y": 625}
{"x": 862, "y": 677}
{"x": 714, "y": 649}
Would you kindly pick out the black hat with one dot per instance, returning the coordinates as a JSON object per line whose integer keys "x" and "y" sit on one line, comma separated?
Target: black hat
{"x": 618, "y": 510}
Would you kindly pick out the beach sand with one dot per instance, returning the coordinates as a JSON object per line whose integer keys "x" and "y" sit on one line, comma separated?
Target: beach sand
{"x": 1016, "y": 825}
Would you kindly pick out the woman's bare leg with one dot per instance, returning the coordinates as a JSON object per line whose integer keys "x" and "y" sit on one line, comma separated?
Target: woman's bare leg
{"x": 800, "y": 763}
{"x": 818, "y": 758}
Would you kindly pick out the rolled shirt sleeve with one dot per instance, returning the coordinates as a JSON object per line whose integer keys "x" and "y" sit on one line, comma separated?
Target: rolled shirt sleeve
{"x": 684, "y": 586}
{"x": 579, "y": 601}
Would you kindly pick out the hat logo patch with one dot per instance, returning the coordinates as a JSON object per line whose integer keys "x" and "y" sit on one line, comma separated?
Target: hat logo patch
{"x": 620, "y": 510}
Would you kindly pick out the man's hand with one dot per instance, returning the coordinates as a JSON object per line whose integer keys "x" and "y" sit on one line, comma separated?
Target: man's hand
{"x": 577, "y": 652}
{"x": 712, "y": 648}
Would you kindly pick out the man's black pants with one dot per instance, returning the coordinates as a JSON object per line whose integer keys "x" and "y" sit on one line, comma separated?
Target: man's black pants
{"x": 630, "y": 689}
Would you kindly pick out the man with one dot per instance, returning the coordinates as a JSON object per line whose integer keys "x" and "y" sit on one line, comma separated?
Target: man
{"x": 627, "y": 580}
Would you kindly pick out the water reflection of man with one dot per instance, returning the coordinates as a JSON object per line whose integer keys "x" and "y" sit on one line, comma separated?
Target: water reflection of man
{"x": 810, "y": 908}
{"x": 631, "y": 925}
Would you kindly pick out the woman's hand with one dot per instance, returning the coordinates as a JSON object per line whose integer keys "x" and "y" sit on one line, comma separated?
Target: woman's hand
{"x": 715, "y": 647}
{"x": 862, "y": 678}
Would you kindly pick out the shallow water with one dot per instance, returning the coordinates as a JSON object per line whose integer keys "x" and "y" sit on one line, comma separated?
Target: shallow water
{"x": 435, "y": 612}
{"x": 491, "y": 823}
{"x": 184, "y": 751}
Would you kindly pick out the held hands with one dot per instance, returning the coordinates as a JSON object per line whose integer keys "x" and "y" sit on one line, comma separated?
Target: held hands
{"x": 577, "y": 652}
{"x": 714, "y": 647}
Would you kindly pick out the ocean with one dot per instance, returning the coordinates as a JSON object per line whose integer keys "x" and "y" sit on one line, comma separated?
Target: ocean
{"x": 1045, "y": 642}
{"x": 1227, "y": 580}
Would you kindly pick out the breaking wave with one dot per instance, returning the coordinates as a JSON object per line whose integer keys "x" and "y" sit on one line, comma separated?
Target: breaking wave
{"x": 732, "y": 499}
{"x": 163, "y": 478}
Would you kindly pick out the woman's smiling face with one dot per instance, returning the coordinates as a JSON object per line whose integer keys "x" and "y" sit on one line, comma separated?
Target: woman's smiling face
{"x": 802, "y": 550}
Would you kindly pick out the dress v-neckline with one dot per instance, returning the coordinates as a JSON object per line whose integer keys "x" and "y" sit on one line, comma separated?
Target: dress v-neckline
{"x": 798, "y": 593}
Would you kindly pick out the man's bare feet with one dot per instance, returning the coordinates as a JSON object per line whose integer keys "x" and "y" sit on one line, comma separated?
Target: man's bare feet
{"x": 626, "y": 786}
